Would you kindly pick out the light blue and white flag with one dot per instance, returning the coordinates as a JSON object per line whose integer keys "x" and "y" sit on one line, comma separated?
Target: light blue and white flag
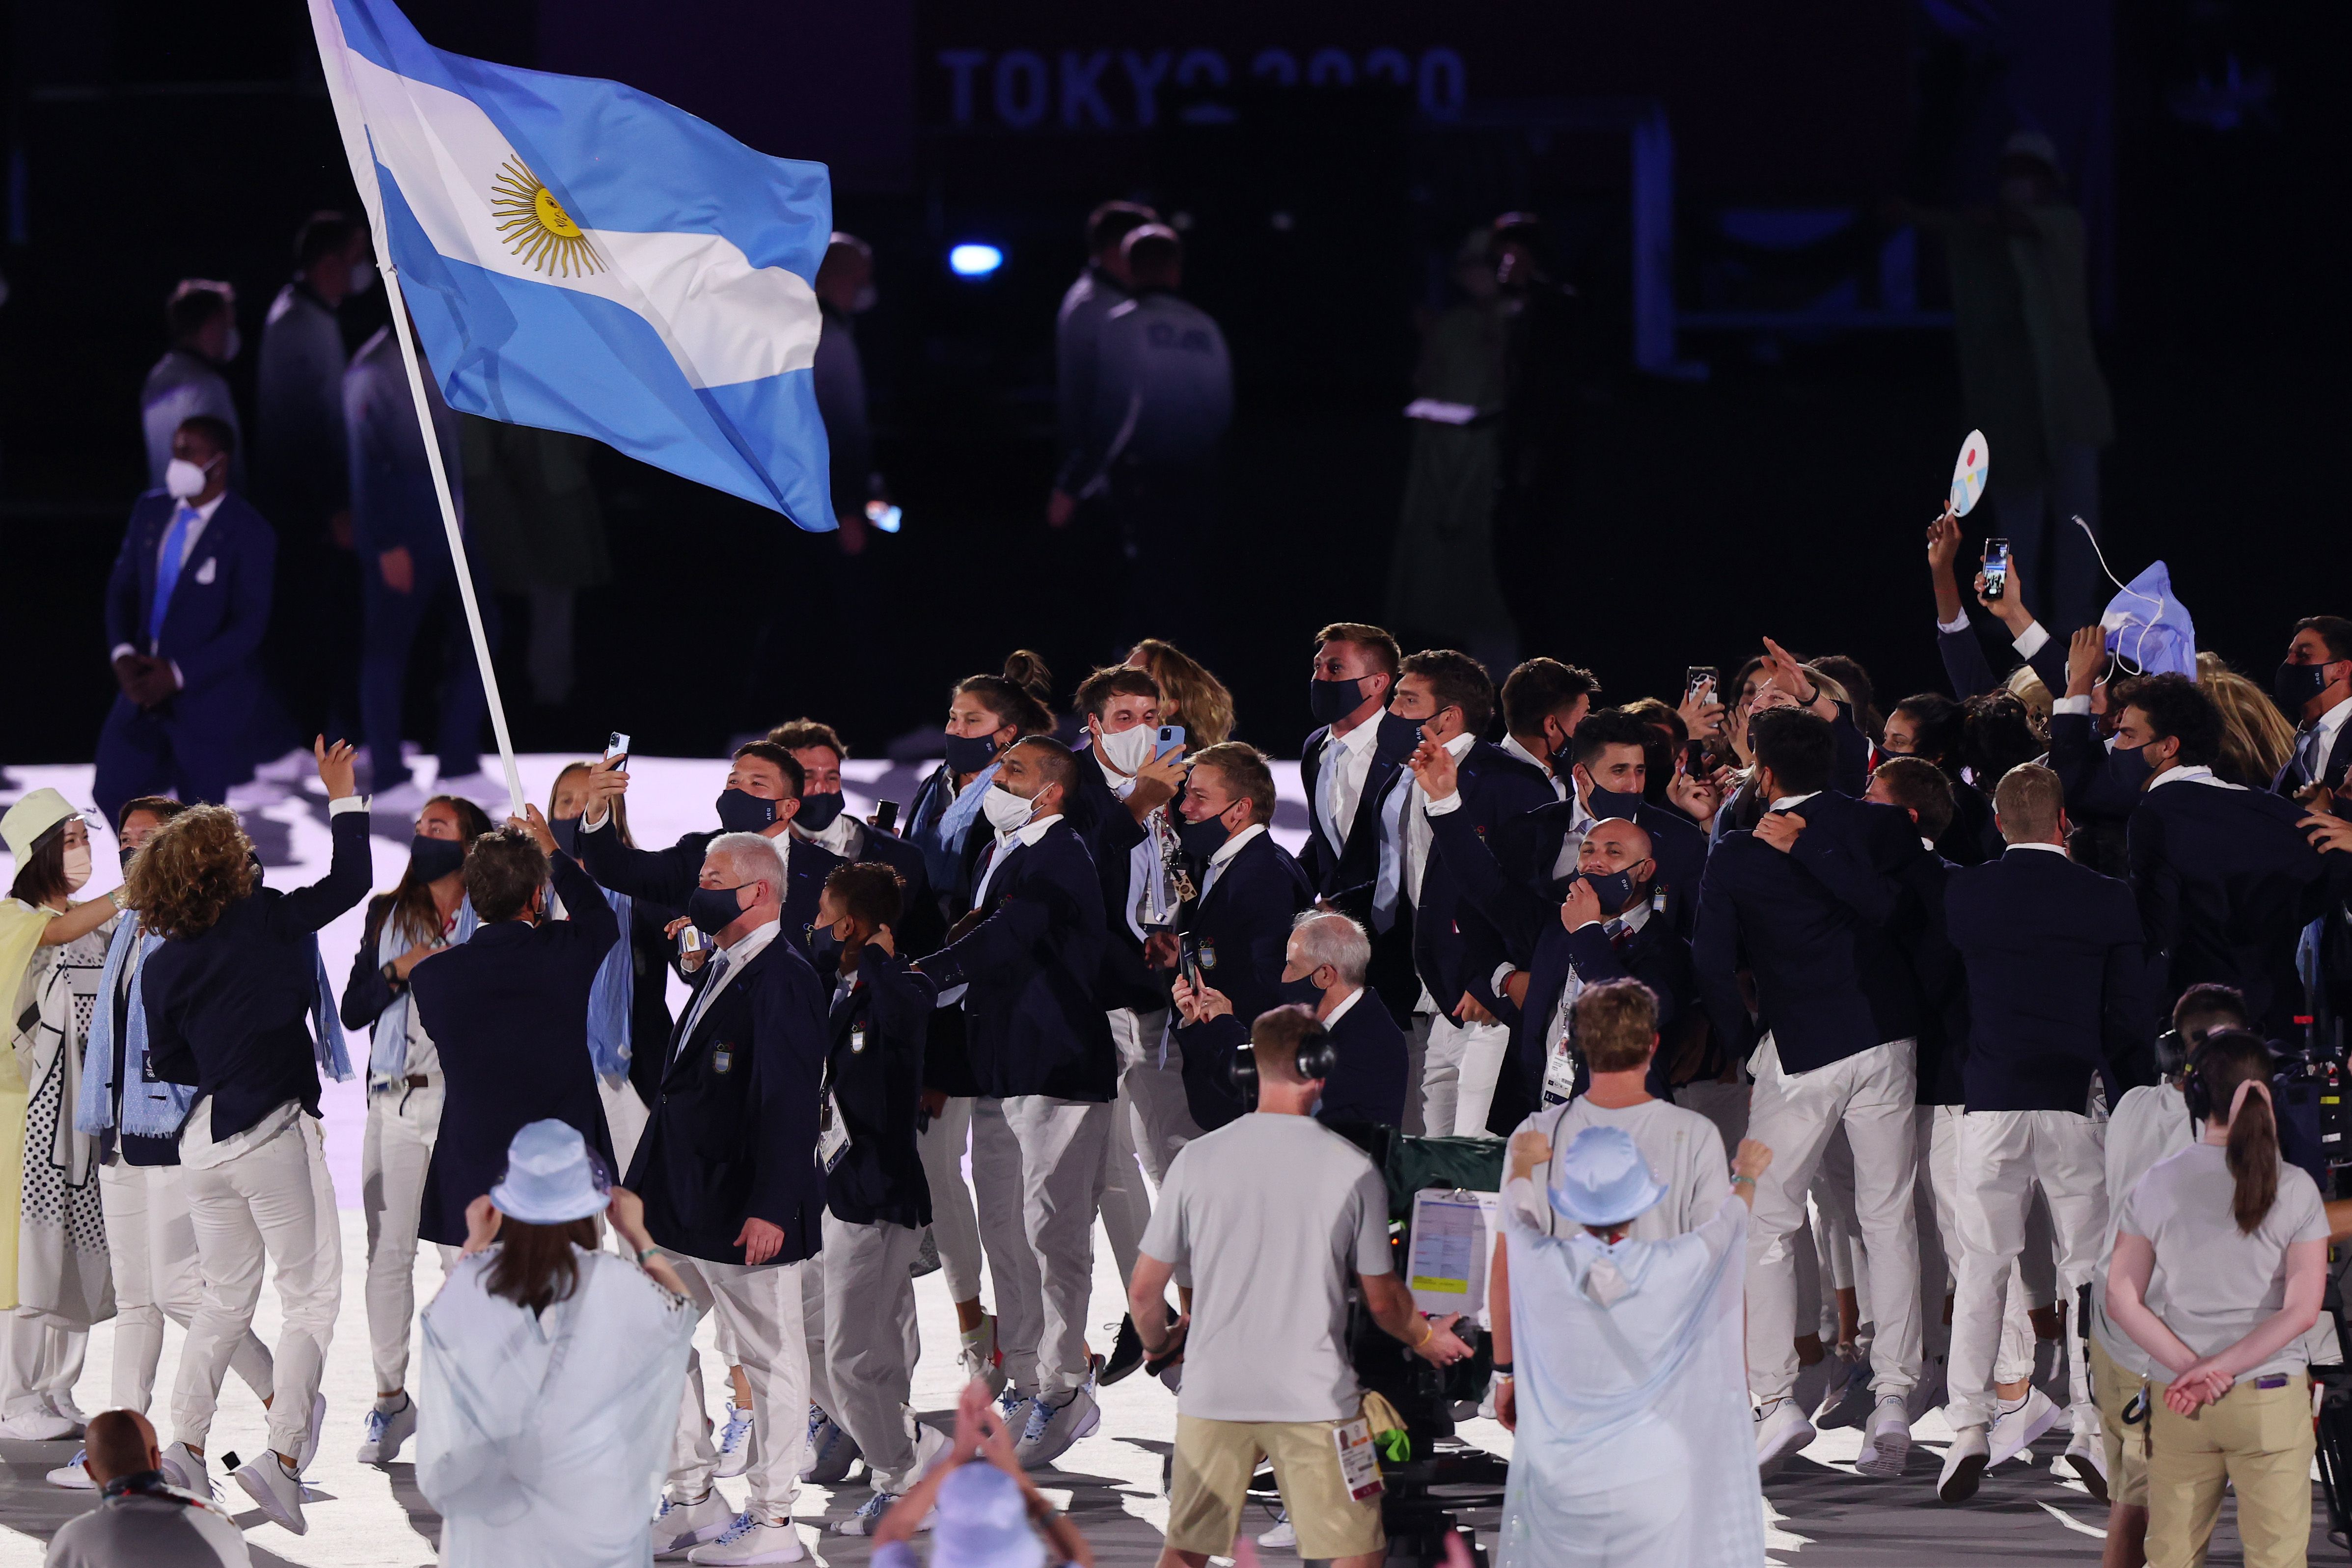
{"x": 580, "y": 257}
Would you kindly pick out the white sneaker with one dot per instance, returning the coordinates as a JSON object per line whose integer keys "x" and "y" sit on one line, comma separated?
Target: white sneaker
{"x": 386, "y": 1431}
{"x": 931, "y": 1445}
{"x": 309, "y": 1450}
{"x": 41, "y": 1425}
{"x": 868, "y": 1515}
{"x": 63, "y": 1406}
{"x": 1283, "y": 1537}
{"x": 1886, "y": 1443}
{"x": 187, "y": 1471}
{"x": 752, "y": 1538}
{"x": 2088, "y": 1455}
{"x": 680, "y": 1527}
{"x": 1052, "y": 1428}
{"x": 735, "y": 1442}
{"x": 268, "y": 1482}
{"x": 832, "y": 1452}
{"x": 1780, "y": 1430}
{"x": 1964, "y": 1465}
{"x": 979, "y": 1356}
{"x": 2014, "y": 1431}
{"x": 71, "y": 1475}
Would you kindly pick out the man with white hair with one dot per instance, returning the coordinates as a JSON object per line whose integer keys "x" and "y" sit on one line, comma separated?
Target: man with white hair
{"x": 1323, "y": 968}
{"x": 734, "y": 1192}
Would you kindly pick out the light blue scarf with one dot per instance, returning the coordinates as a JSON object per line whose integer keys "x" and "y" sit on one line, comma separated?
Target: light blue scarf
{"x": 151, "y": 1109}
{"x": 610, "y": 996}
{"x": 943, "y": 856}
{"x": 388, "y": 1044}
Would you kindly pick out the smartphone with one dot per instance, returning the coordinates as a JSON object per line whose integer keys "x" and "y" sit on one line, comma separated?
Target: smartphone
{"x": 885, "y": 815}
{"x": 1172, "y": 738}
{"x": 1188, "y": 959}
{"x": 1996, "y": 568}
{"x": 1696, "y": 762}
{"x": 1699, "y": 683}
{"x": 618, "y": 746}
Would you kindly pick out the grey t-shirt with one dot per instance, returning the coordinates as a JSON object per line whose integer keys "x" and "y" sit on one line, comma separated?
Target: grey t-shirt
{"x": 2213, "y": 1284}
{"x": 175, "y": 1531}
{"x": 1275, "y": 1213}
{"x": 1681, "y": 1147}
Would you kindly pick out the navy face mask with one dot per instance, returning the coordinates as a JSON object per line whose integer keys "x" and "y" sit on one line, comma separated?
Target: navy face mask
{"x": 1396, "y": 739}
{"x": 1303, "y": 990}
{"x": 2295, "y": 685}
{"x": 567, "y": 835}
{"x": 432, "y": 859}
{"x": 819, "y": 810}
{"x": 713, "y": 909}
{"x": 740, "y": 812}
{"x": 1331, "y": 701}
{"x": 970, "y": 753}
{"x": 1613, "y": 888}
{"x": 822, "y": 943}
{"x": 1201, "y": 840}
{"x": 1613, "y": 803}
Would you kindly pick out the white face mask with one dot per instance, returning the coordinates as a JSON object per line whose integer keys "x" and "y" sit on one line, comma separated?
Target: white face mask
{"x": 183, "y": 480}
{"x": 76, "y": 867}
{"x": 1004, "y": 810}
{"x": 1128, "y": 749}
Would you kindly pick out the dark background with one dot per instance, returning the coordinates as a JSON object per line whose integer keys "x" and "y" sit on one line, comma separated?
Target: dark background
{"x": 1782, "y": 493}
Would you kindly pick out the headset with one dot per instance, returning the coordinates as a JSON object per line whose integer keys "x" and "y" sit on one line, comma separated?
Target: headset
{"x": 1317, "y": 1059}
{"x": 2195, "y": 1086}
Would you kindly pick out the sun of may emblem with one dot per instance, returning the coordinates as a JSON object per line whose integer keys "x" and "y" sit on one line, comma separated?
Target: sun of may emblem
{"x": 536, "y": 228}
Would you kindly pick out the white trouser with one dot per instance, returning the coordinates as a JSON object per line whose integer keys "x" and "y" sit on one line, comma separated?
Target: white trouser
{"x": 274, "y": 1201}
{"x": 43, "y": 1362}
{"x": 1832, "y": 1194}
{"x": 953, "y": 1229}
{"x": 1150, "y": 1120}
{"x": 153, "y": 1249}
{"x": 1937, "y": 1133}
{"x": 2004, "y": 1155}
{"x": 1869, "y": 1094}
{"x": 624, "y": 1118}
{"x": 1036, "y": 1168}
{"x": 861, "y": 1360}
{"x": 401, "y": 1124}
{"x": 1458, "y": 1075}
{"x": 761, "y": 1308}
{"x": 1416, "y": 1066}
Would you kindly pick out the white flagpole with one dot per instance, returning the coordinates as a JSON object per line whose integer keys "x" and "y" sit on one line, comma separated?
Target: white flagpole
{"x": 352, "y": 123}
{"x": 449, "y": 525}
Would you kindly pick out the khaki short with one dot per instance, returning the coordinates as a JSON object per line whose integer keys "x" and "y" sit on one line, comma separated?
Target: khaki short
{"x": 1214, "y": 1460}
{"x": 2126, "y": 1446}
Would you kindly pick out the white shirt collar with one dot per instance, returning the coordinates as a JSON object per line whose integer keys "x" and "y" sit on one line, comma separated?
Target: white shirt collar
{"x": 204, "y": 514}
{"x": 2200, "y": 774}
{"x": 1122, "y": 785}
{"x": 1028, "y": 833}
{"x": 840, "y": 836}
{"x": 1511, "y": 744}
{"x": 1232, "y": 846}
{"x": 2046, "y": 849}
{"x": 1359, "y": 739}
{"x": 750, "y": 944}
{"x": 1331, "y": 1019}
{"x": 1785, "y": 802}
{"x": 2328, "y": 723}
{"x": 1460, "y": 744}
{"x": 1926, "y": 843}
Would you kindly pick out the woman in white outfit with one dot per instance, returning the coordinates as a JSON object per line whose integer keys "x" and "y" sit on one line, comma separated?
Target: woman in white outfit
{"x": 551, "y": 1371}
{"x": 1634, "y": 1440}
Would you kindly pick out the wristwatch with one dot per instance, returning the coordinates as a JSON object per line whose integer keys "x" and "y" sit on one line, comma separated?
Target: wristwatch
{"x": 391, "y": 973}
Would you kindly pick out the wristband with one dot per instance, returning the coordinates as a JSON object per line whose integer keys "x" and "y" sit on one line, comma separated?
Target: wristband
{"x": 1748, "y": 1179}
{"x": 1501, "y": 1369}
{"x": 1428, "y": 1332}
{"x": 645, "y": 1252}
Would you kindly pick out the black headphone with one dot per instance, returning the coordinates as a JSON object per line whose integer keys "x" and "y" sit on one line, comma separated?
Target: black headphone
{"x": 2195, "y": 1086}
{"x": 1318, "y": 1058}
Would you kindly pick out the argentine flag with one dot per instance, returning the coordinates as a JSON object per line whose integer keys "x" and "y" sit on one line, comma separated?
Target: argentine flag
{"x": 580, "y": 257}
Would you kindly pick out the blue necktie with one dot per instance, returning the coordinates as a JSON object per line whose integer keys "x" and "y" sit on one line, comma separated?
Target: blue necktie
{"x": 167, "y": 571}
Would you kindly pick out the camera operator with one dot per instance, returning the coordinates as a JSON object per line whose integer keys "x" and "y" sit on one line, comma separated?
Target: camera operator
{"x": 1264, "y": 1350}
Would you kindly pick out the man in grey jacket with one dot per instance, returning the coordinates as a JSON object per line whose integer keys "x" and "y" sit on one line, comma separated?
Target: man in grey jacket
{"x": 139, "y": 1518}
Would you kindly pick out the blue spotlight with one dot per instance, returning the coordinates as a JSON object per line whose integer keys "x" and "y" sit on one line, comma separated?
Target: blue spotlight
{"x": 973, "y": 259}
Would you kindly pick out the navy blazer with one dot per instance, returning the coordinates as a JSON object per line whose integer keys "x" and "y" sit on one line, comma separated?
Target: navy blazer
{"x": 219, "y": 609}
{"x": 1368, "y": 1085}
{"x": 1970, "y": 673}
{"x": 1356, "y": 864}
{"x": 508, "y": 1011}
{"x": 1654, "y": 955}
{"x": 1816, "y": 926}
{"x": 2054, "y": 972}
{"x": 1032, "y": 1022}
{"x": 919, "y": 929}
{"x": 1494, "y": 788}
{"x": 1936, "y": 967}
{"x": 1242, "y": 924}
{"x": 2226, "y": 883}
{"x": 732, "y": 1134}
{"x": 228, "y": 1009}
{"x": 1529, "y": 848}
{"x": 668, "y": 877}
{"x": 875, "y": 1069}
{"x": 1111, "y": 833}
{"x": 2290, "y": 779}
